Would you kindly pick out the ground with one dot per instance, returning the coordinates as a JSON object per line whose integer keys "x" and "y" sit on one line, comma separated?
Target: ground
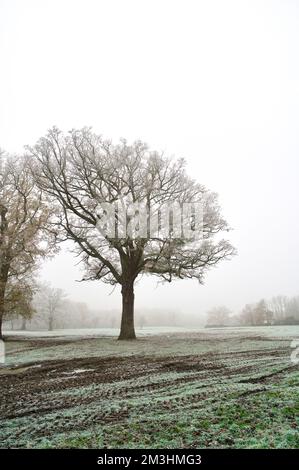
{"x": 225, "y": 388}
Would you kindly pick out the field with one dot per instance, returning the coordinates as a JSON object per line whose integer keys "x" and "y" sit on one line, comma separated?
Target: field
{"x": 204, "y": 388}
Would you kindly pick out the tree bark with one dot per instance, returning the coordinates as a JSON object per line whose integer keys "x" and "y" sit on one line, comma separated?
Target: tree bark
{"x": 2, "y": 296}
{"x": 127, "y": 330}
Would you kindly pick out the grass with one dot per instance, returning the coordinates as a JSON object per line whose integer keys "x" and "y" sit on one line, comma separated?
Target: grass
{"x": 200, "y": 389}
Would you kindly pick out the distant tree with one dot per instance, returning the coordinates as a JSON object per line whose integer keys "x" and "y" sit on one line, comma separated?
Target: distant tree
{"x": 81, "y": 170}
{"x": 73, "y": 314}
{"x": 24, "y": 217}
{"x": 256, "y": 314}
{"x": 247, "y": 315}
{"x": 292, "y": 308}
{"x": 49, "y": 302}
{"x": 278, "y": 305}
{"x": 142, "y": 321}
{"x": 82, "y": 313}
{"x": 263, "y": 315}
{"x": 218, "y": 316}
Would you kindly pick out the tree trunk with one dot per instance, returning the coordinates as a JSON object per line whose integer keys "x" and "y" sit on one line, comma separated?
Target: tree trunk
{"x": 2, "y": 292}
{"x": 23, "y": 326}
{"x": 127, "y": 330}
{"x": 51, "y": 321}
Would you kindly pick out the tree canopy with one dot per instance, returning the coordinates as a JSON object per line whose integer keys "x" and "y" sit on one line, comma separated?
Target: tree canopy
{"x": 82, "y": 172}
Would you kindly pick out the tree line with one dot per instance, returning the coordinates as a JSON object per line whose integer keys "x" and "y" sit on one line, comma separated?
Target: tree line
{"x": 279, "y": 310}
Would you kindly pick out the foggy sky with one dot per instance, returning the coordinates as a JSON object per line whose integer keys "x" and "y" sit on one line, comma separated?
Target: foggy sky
{"x": 215, "y": 82}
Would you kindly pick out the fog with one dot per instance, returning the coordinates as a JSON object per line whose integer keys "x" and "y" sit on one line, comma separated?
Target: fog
{"x": 214, "y": 82}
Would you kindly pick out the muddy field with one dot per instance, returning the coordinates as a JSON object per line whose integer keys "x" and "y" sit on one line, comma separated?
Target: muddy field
{"x": 200, "y": 389}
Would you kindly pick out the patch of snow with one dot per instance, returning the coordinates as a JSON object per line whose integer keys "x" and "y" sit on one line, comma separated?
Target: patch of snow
{"x": 77, "y": 371}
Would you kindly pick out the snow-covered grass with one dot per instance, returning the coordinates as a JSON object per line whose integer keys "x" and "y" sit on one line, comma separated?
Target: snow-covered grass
{"x": 96, "y": 332}
{"x": 228, "y": 387}
{"x": 272, "y": 331}
{"x": 30, "y": 347}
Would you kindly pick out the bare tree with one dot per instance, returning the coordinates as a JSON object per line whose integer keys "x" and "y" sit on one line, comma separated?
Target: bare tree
{"x": 292, "y": 308}
{"x": 218, "y": 316}
{"x": 23, "y": 219}
{"x": 257, "y": 314}
{"x": 262, "y": 314}
{"x": 81, "y": 171}
{"x": 49, "y": 302}
{"x": 247, "y": 315}
{"x": 278, "y": 305}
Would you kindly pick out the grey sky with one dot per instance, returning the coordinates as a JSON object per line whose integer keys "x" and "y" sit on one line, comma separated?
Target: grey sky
{"x": 215, "y": 82}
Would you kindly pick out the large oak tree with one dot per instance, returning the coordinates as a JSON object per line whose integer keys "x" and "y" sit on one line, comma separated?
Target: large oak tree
{"x": 82, "y": 171}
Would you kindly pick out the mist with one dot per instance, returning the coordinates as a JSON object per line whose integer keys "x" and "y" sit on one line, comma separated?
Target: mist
{"x": 214, "y": 82}
{"x": 149, "y": 201}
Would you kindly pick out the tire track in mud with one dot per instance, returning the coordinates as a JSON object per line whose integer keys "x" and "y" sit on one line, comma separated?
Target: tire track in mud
{"x": 32, "y": 391}
{"x": 24, "y": 392}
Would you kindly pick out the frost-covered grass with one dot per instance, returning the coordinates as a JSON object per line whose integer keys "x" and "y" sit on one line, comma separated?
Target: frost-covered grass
{"x": 271, "y": 331}
{"x": 71, "y": 344}
{"x": 98, "y": 332}
{"x": 201, "y": 388}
